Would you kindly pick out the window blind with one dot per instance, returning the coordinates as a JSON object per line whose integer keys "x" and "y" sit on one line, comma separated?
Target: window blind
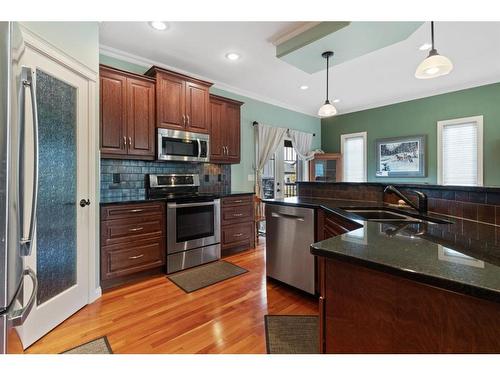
{"x": 354, "y": 159}
{"x": 459, "y": 145}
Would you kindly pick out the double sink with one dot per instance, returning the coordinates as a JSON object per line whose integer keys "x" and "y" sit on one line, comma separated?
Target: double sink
{"x": 393, "y": 216}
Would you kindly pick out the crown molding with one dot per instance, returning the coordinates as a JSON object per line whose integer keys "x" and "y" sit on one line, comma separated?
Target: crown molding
{"x": 147, "y": 63}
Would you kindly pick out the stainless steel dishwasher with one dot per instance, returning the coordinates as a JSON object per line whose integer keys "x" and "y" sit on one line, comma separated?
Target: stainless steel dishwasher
{"x": 289, "y": 234}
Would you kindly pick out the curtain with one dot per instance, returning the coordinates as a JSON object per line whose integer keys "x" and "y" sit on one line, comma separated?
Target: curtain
{"x": 301, "y": 142}
{"x": 269, "y": 138}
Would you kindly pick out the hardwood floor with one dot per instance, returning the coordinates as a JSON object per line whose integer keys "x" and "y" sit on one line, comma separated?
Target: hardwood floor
{"x": 155, "y": 316}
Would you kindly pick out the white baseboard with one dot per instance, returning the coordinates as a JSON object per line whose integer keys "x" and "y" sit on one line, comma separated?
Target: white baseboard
{"x": 95, "y": 294}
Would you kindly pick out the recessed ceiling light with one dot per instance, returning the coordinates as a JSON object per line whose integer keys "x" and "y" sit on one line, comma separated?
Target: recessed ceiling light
{"x": 158, "y": 25}
{"x": 304, "y": 87}
{"x": 336, "y": 100}
{"x": 425, "y": 47}
{"x": 233, "y": 56}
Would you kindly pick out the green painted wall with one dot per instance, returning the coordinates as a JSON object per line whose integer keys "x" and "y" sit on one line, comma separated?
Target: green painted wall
{"x": 252, "y": 110}
{"x": 420, "y": 117}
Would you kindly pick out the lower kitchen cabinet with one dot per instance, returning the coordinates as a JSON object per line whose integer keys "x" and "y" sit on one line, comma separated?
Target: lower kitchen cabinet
{"x": 132, "y": 241}
{"x": 237, "y": 224}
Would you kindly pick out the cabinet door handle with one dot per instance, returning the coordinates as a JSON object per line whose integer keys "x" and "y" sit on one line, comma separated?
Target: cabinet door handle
{"x": 135, "y": 229}
{"x": 237, "y": 215}
{"x": 124, "y": 142}
{"x": 129, "y": 141}
{"x": 187, "y": 119}
{"x": 227, "y": 150}
{"x": 184, "y": 120}
{"x": 136, "y": 256}
{"x": 237, "y": 234}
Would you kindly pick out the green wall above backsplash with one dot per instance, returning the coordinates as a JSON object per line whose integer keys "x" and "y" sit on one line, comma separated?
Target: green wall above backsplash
{"x": 420, "y": 117}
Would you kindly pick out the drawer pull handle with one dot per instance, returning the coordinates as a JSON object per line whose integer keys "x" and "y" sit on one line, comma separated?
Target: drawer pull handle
{"x": 136, "y": 210}
{"x": 136, "y": 229}
{"x": 238, "y": 235}
{"x": 237, "y": 215}
{"x": 136, "y": 256}
{"x": 238, "y": 201}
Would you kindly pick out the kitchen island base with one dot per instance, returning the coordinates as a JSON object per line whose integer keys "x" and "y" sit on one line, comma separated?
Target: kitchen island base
{"x": 367, "y": 311}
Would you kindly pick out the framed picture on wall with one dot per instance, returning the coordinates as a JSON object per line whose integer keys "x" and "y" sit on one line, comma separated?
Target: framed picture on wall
{"x": 401, "y": 156}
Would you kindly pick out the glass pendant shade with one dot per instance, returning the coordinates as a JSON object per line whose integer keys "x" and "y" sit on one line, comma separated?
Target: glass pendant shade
{"x": 433, "y": 66}
{"x": 327, "y": 110}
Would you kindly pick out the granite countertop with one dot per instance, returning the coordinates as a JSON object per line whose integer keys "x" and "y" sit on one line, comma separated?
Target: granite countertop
{"x": 143, "y": 198}
{"x": 463, "y": 256}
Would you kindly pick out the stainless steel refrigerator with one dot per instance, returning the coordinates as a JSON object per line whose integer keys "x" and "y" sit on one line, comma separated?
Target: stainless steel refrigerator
{"x": 18, "y": 285}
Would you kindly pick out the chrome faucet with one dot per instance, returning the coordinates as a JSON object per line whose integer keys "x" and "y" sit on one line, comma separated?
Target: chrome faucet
{"x": 421, "y": 207}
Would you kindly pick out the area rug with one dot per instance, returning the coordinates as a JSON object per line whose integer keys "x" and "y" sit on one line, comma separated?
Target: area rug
{"x": 291, "y": 334}
{"x": 206, "y": 275}
{"x": 97, "y": 346}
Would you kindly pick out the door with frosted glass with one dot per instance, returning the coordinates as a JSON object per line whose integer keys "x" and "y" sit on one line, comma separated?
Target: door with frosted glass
{"x": 60, "y": 254}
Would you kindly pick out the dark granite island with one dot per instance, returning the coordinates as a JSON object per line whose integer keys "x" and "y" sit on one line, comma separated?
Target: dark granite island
{"x": 419, "y": 288}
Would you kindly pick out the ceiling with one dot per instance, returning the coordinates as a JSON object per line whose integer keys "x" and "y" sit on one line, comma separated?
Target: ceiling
{"x": 369, "y": 37}
{"x": 380, "y": 77}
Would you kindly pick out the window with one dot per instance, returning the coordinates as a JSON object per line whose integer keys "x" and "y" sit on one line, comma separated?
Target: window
{"x": 460, "y": 151}
{"x": 353, "y": 148}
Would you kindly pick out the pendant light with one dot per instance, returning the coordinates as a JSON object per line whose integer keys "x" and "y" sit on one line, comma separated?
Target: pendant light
{"x": 327, "y": 109}
{"x": 435, "y": 65}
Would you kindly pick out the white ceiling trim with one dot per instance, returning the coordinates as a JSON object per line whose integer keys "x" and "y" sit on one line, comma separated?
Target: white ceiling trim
{"x": 147, "y": 63}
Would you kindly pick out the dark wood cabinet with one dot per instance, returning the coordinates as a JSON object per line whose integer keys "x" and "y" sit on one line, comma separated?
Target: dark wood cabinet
{"x": 132, "y": 241}
{"x": 368, "y": 311}
{"x": 140, "y": 117}
{"x": 182, "y": 102}
{"x": 170, "y": 102}
{"x": 237, "y": 224}
{"x": 225, "y": 130}
{"x": 127, "y": 105}
{"x": 112, "y": 108}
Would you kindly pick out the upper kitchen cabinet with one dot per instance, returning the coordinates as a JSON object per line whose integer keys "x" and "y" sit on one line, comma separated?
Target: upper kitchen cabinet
{"x": 225, "y": 125}
{"x": 126, "y": 115}
{"x": 182, "y": 102}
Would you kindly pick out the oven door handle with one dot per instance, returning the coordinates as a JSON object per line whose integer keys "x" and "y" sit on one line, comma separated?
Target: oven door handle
{"x": 197, "y": 204}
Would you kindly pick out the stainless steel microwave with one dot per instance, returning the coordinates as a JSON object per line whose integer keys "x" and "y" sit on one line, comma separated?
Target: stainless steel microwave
{"x": 183, "y": 146}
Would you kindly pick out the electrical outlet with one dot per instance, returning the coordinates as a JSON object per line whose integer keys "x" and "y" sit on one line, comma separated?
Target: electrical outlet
{"x": 116, "y": 178}
{"x": 251, "y": 177}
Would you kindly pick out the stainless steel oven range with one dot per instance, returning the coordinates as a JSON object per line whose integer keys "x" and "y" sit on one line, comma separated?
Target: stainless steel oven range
{"x": 193, "y": 220}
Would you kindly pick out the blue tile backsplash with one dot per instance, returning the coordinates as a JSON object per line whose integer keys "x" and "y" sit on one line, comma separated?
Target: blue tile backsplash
{"x": 131, "y": 174}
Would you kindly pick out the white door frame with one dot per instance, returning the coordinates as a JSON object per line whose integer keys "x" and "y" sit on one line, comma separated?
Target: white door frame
{"x": 45, "y": 48}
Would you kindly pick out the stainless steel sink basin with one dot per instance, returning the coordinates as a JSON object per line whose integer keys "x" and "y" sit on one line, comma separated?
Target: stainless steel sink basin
{"x": 383, "y": 215}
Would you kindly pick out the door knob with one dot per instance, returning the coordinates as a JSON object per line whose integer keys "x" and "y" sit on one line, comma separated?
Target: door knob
{"x": 84, "y": 202}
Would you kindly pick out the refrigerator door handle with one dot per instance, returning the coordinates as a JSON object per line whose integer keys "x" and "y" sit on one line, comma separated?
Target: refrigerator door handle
{"x": 17, "y": 317}
{"x": 28, "y": 81}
